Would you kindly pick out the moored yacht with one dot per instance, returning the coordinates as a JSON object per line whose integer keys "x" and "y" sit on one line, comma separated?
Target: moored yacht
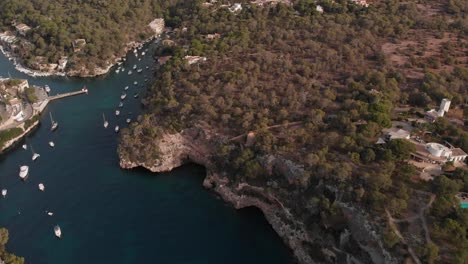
{"x": 130, "y": 72}
{"x": 47, "y": 89}
{"x": 49, "y": 213}
{"x": 123, "y": 96}
{"x": 126, "y": 88}
{"x": 53, "y": 124}
{"x": 4, "y": 193}
{"x": 121, "y": 104}
{"x": 25, "y": 146}
{"x": 117, "y": 112}
{"x": 135, "y": 82}
{"x": 116, "y": 129}
{"x": 117, "y": 71}
{"x": 143, "y": 53}
{"x": 128, "y": 120}
{"x": 134, "y": 67}
{"x": 139, "y": 70}
{"x": 51, "y": 144}
{"x": 41, "y": 187}
{"x": 58, "y": 231}
{"x": 24, "y": 170}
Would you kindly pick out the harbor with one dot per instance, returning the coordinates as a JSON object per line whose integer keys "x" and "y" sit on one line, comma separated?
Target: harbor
{"x": 102, "y": 209}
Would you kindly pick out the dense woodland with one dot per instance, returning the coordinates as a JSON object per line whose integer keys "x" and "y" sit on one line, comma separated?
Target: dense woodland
{"x": 316, "y": 76}
{"x": 107, "y": 27}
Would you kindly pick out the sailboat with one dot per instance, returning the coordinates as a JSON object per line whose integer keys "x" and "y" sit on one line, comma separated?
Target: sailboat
{"x": 58, "y": 231}
{"x": 117, "y": 128}
{"x": 41, "y": 187}
{"x": 106, "y": 124}
{"x": 35, "y": 155}
{"x": 25, "y": 146}
{"x": 53, "y": 124}
{"x": 4, "y": 193}
{"x": 122, "y": 97}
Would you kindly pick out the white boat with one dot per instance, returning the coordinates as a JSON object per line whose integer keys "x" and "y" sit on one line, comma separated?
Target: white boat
{"x": 34, "y": 154}
{"x": 41, "y": 187}
{"x": 130, "y": 72}
{"x": 50, "y": 213}
{"x": 51, "y": 144}
{"x": 136, "y": 95}
{"x": 143, "y": 53}
{"x": 135, "y": 82}
{"x": 128, "y": 120}
{"x": 123, "y": 96}
{"x": 105, "y": 121}
{"x": 117, "y": 128}
{"x": 135, "y": 51}
{"x": 25, "y": 146}
{"x": 147, "y": 67}
{"x": 47, "y": 88}
{"x": 134, "y": 67}
{"x": 139, "y": 59}
{"x": 24, "y": 170}
{"x": 126, "y": 88}
{"x": 123, "y": 69}
{"x": 58, "y": 231}
{"x": 121, "y": 104}
{"x": 139, "y": 70}
{"x": 117, "y": 71}
{"x": 117, "y": 112}
{"x": 53, "y": 124}
{"x": 4, "y": 193}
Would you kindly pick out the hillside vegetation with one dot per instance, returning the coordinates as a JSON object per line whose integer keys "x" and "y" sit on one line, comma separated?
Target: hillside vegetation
{"x": 316, "y": 89}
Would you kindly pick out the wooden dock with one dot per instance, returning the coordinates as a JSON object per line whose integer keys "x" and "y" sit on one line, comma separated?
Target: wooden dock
{"x": 60, "y": 96}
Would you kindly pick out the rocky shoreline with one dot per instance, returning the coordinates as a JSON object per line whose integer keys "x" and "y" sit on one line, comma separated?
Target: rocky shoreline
{"x": 178, "y": 149}
{"x": 83, "y": 72}
{"x": 196, "y": 145}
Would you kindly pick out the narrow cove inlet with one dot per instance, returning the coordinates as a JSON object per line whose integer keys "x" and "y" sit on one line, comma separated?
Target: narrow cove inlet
{"x": 110, "y": 215}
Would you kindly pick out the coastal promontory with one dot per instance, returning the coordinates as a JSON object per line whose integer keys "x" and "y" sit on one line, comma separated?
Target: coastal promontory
{"x": 324, "y": 115}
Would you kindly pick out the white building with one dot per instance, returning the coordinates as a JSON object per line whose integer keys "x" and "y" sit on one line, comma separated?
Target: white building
{"x": 441, "y": 151}
{"x": 397, "y": 134}
{"x": 319, "y": 9}
{"x": 432, "y": 114}
{"x": 236, "y": 7}
{"x": 444, "y": 105}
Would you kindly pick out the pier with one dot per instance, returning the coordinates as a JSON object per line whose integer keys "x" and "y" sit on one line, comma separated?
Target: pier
{"x": 60, "y": 96}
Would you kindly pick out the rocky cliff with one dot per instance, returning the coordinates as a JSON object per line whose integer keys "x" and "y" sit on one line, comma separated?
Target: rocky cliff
{"x": 196, "y": 145}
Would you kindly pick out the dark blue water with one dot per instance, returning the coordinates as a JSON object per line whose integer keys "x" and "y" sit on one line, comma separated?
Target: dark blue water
{"x": 109, "y": 215}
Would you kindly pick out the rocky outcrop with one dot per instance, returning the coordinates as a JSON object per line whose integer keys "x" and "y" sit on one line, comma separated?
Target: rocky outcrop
{"x": 196, "y": 145}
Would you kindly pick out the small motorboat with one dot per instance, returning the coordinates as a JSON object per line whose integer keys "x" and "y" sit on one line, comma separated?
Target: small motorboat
{"x": 24, "y": 170}
{"x": 135, "y": 51}
{"x": 49, "y": 213}
{"x": 147, "y": 67}
{"x": 35, "y": 156}
{"x": 41, "y": 187}
{"x": 58, "y": 231}
{"x": 130, "y": 72}
{"x": 47, "y": 88}
{"x": 121, "y": 104}
{"x": 117, "y": 71}
{"x": 143, "y": 53}
{"x": 4, "y": 193}
{"x": 135, "y": 82}
{"x": 139, "y": 70}
{"x": 123, "y": 69}
{"x": 126, "y": 88}
{"x": 128, "y": 120}
{"x": 106, "y": 124}
{"x": 122, "y": 97}
{"x": 136, "y": 95}
{"x": 51, "y": 144}
{"x": 116, "y": 129}
{"x": 117, "y": 112}
{"x": 134, "y": 67}
{"x": 146, "y": 80}
{"x": 25, "y": 146}
{"x": 139, "y": 59}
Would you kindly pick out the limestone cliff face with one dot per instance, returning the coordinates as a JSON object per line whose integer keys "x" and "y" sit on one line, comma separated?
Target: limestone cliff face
{"x": 196, "y": 145}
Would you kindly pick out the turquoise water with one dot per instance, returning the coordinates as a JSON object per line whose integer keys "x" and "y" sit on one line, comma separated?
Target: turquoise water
{"x": 464, "y": 205}
{"x": 109, "y": 215}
